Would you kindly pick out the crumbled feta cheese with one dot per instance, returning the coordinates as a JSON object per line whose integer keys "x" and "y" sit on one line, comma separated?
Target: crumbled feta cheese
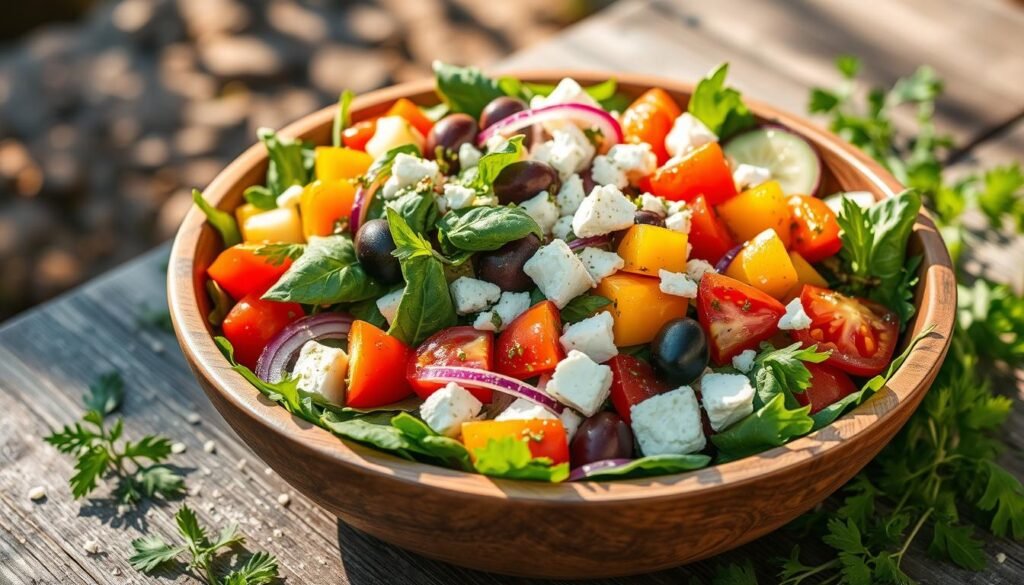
{"x": 568, "y": 91}
{"x": 37, "y": 493}
{"x": 746, "y": 176}
{"x": 472, "y": 296}
{"x": 543, "y": 211}
{"x": 92, "y": 547}
{"x": 697, "y": 268}
{"x": 291, "y": 196}
{"x": 447, "y": 408}
{"x": 321, "y": 369}
{"x": 210, "y": 447}
{"x": 795, "y": 318}
{"x": 592, "y": 336}
{"x": 388, "y": 304}
{"x": 523, "y": 409}
{"x": 570, "y": 195}
{"x": 581, "y": 383}
{"x": 562, "y": 227}
{"x": 687, "y": 134}
{"x": 677, "y": 283}
{"x": 469, "y": 155}
{"x": 744, "y": 362}
{"x": 668, "y": 423}
{"x": 653, "y": 203}
{"x": 605, "y": 172}
{"x": 408, "y": 170}
{"x": 1000, "y": 557}
{"x": 601, "y": 264}
{"x": 727, "y": 398}
{"x": 284, "y": 499}
{"x": 571, "y": 420}
{"x": 392, "y": 132}
{"x": 458, "y": 196}
{"x": 193, "y": 418}
{"x": 624, "y": 163}
{"x": 680, "y": 220}
{"x": 178, "y": 447}
{"x": 604, "y": 211}
{"x": 510, "y": 306}
{"x": 558, "y": 272}
{"x": 569, "y": 151}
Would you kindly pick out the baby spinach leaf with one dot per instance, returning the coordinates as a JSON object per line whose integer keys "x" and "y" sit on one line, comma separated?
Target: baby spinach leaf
{"x": 583, "y": 306}
{"x": 326, "y": 273}
{"x": 367, "y": 311}
{"x": 720, "y": 108}
{"x": 381, "y": 436}
{"x": 479, "y": 229}
{"x": 419, "y": 210}
{"x": 769, "y": 426}
{"x": 221, "y": 221}
{"x": 260, "y": 196}
{"x": 291, "y": 161}
{"x": 510, "y": 458}
{"x": 465, "y": 89}
{"x": 782, "y": 371}
{"x": 286, "y": 392}
{"x": 427, "y": 443}
{"x": 482, "y": 176}
{"x": 653, "y": 465}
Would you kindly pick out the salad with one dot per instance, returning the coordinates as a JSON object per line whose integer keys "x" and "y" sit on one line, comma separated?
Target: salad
{"x": 561, "y": 282}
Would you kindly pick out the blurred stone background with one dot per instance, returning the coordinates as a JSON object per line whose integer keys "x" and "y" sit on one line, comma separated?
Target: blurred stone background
{"x": 110, "y": 112}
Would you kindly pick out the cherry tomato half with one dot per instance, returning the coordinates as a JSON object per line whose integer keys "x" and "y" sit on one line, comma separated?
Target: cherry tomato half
{"x": 253, "y": 322}
{"x": 529, "y": 345}
{"x": 709, "y": 238}
{"x": 702, "y": 172}
{"x": 464, "y": 347}
{"x": 814, "y": 231}
{"x": 736, "y": 316}
{"x": 357, "y": 135}
{"x": 828, "y": 385}
{"x": 375, "y": 374}
{"x": 240, "y": 271}
{"x": 633, "y": 381}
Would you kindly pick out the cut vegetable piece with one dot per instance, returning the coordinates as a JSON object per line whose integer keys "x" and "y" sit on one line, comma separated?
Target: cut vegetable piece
{"x": 702, "y": 172}
{"x": 281, "y": 225}
{"x": 335, "y": 163}
{"x": 253, "y": 322}
{"x": 649, "y": 119}
{"x": 464, "y": 347}
{"x": 755, "y": 210}
{"x": 241, "y": 271}
{"x": 646, "y": 249}
{"x": 591, "y": 117}
{"x": 633, "y": 381}
{"x": 477, "y": 379}
{"x": 736, "y": 316}
{"x": 814, "y": 231}
{"x": 791, "y": 159}
{"x": 282, "y": 350}
{"x": 764, "y": 264}
{"x": 805, "y": 274}
{"x": 639, "y": 307}
{"x": 709, "y": 238}
{"x": 529, "y": 346}
{"x": 544, "y": 437}
{"x": 324, "y": 204}
{"x": 376, "y": 376}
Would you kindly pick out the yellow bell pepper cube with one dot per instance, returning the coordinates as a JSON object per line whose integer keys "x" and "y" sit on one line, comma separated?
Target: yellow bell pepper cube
{"x": 275, "y": 225}
{"x": 805, "y": 274}
{"x": 337, "y": 163}
{"x": 639, "y": 307}
{"x": 244, "y": 212}
{"x": 646, "y": 249}
{"x": 755, "y": 210}
{"x": 323, "y": 204}
{"x": 764, "y": 264}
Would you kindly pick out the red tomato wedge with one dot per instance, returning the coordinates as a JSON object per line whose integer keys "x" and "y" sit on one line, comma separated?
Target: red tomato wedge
{"x": 253, "y": 322}
{"x": 828, "y": 385}
{"x": 633, "y": 381}
{"x": 814, "y": 231}
{"x": 544, "y": 437}
{"x": 464, "y": 347}
{"x": 736, "y": 316}
{"x": 702, "y": 172}
{"x": 240, "y": 271}
{"x": 357, "y": 135}
{"x": 529, "y": 346}
{"x": 649, "y": 119}
{"x": 709, "y": 238}
{"x": 862, "y": 334}
{"x": 375, "y": 374}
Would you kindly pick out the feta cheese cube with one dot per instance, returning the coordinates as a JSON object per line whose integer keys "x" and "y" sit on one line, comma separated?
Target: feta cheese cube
{"x": 558, "y": 272}
{"x": 604, "y": 211}
{"x": 446, "y": 409}
{"x": 543, "y": 211}
{"x": 605, "y": 172}
{"x": 408, "y": 170}
{"x": 677, "y": 283}
{"x": 392, "y": 132}
{"x": 727, "y": 398}
{"x": 581, "y": 383}
{"x": 388, "y": 304}
{"x": 458, "y": 196}
{"x": 746, "y": 176}
{"x": 653, "y": 203}
{"x": 668, "y": 423}
{"x": 592, "y": 336}
{"x": 469, "y": 155}
{"x": 697, "y": 268}
{"x": 472, "y": 296}
{"x": 687, "y": 134}
{"x": 570, "y": 194}
{"x": 562, "y": 227}
{"x": 680, "y": 220}
{"x": 636, "y": 160}
{"x": 321, "y": 369}
{"x": 601, "y": 264}
{"x": 510, "y": 306}
{"x": 487, "y": 321}
{"x": 568, "y": 91}
{"x": 744, "y": 362}
{"x": 291, "y": 196}
{"x": 569, "y": 151}
{"x": 795, "y": 318}
{"x": 571, "y": 420}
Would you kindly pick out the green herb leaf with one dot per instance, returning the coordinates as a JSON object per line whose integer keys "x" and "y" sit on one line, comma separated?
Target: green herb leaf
{"x": 221, "y": 221}
{"x": 105, "y": 394}
{"x": 260, "y": 569}
{"x": 782, "y": 371}
{"x": 91, "y": 465}
{"x": 1005, "y": 495}
{"x": 957, "y": 544}
{"x": 261, "y": 197}
{"x": 424, "y": 441}
{"x": 160, "y": 480}
{"x": 583, "y": 306}
{"x": 510, "y": 458}
{"x": 285, "y": 392}
{"x": 277, "y": 253}
{"x": 189, "y": 527}
{"x": 482, "y": 176}
{"x": 769, "y": 426}
{"x": 479, "y": 229}
{"x": 381, "y": 436}
{"x": 735, "y": 574}
{"x": 653, "y": 465}
{"x": 720, "y": 108}
{"x": 342, "y": 119}
{"x": 151, "y": 552}
{"x": 367, "y": 311}
{"x": 291, "y": 161}
{"x": 465, "y": 89}
{"x": 419, "y": 210}
{"x": 327, "y": 273}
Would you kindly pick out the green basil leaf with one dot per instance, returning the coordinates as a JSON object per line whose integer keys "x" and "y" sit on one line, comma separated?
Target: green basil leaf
{"x": 510, "y": 457}
{"x": 482, "y": 176}
{"x": 291, "y": 161}
{"x": 583, "y": 306}
{"x": 261, "y": 197}
{"x": 653, "y": 465}
{"x": 381, "y": 436}
{"x": 419, "y": 210}
{"x": 770, "y": 426}
{"x": 782, "y": 371}
{"x": 427, "y": 443}
{"x": 480, "y": 229}
{"x": 342, "y": 119}
{"x": 465, "y": 89}
{"x": 327, "y": 273}
{"x": 221, "y": 221}
{"x": 720, "y": 108}
{"x": 367, "y": 311}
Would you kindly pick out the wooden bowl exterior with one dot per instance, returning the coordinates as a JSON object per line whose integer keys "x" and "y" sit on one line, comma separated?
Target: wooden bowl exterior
{"x": 576, "y": 530}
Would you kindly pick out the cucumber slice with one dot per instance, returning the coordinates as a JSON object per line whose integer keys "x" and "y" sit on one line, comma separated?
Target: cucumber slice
{"x": 862, "y": 198}
{"x": 791, "y": 159}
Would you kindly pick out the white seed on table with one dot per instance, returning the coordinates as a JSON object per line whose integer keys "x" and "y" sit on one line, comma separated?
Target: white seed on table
{"x": 216, "y": 494}
{"x": 123, "y": 509}
{"x": 193, "y": 418}
{"x": 37, "y": 493}
{"x": 91, "y": 547}
{"x": 1000, "y": 558}
{"x": 195, "y": 490}
{"x": 178, "y": 448}
{"x": 240, "y": 464}
{"x": 268, "y": 471}
{"x": 278, "y": 533}
{"x": 284, "y": 499}
{"x": 210, "y": 447}
{"x": 116, "y": 572}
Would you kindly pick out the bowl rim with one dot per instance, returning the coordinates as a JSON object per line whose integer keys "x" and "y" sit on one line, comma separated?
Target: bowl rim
{"x": 936, "y": 293}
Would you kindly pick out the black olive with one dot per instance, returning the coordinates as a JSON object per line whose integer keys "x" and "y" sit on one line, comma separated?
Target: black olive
{"x": 445, "y": 138}
{"x": 374, "y": 246}
{"x": 602, "y": 436}
{"x": 679, "y": 351}
{"x": 648, "y": 218}
{"x": 504, "y": 266}
{"x": 499, "y": 109}
{"x": 523, "y": 180}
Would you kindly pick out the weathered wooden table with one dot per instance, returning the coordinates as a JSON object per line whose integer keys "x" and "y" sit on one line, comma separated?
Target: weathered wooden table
{"x": 778, "y": 50}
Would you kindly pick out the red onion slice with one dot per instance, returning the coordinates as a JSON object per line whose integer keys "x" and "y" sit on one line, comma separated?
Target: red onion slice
{"x": 485, "y": 379}
{"x": 585, "y": 471}
{"x": 284, "y": 346}
{"x": 723, "y": 263}
{"x": 593, "y": 117}
{"x": 593, "y": 241}
{"x": 361, "y": 204}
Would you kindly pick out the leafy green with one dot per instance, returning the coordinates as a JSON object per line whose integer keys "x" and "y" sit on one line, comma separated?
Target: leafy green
{"x": 222, "y": 303}
{"x": 769, "y": 426}
{"x": 277, "y": 253}
{"x": 583, "y": 306}
{"x": 424, "y": 441}
{"x": 221, "y": 221}
{"x": 605, "y": 92}
{"x": 327, "y": 273}
{"x": 510, "y": 458}
{"x": 957, "y": 544}
{"x": 720, "y": 108}
{"x": 653, "y": 465}
{"x": 426, "y": 306}
{"x": 1004, "y": 494}
{"x": 342, "y": 119}
{"x": 419, "y": 210}
{"x": 291, "y": 161}
{"x": 480, "y": 229}
{"x": 465, "y": 89}
{"x": 260, "y": 197}
{"x": 286, "y": 392}
{"x": 482, "y": 176}
{"x": 106, "y": 394}
{"x": 382, "y": 165}
{"x": 367, "y": 311}
{"x": 782, "y": 371}
{"x": 402, "y": 434}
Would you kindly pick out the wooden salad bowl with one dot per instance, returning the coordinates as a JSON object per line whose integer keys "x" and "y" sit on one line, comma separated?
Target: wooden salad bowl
{"x": 569, "y": 530}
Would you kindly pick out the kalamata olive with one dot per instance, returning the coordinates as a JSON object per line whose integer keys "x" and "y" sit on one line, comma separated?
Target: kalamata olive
{"x": 504, "y": 266}
{"x": 602, "y": 436}
{"x": 523, "y": 180}
{"x": 648, "y": 218}
{"x": 679, "y": 351}
{"x": 499, "y": 109}
{"x": 448, "y": 135}
{"x": 587, "y": 176}
{"x": 374, "y": 246}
